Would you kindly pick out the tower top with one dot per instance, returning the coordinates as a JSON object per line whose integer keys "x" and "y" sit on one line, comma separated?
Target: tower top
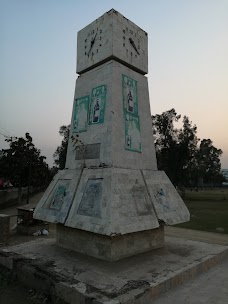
{"x": 112, "y": 37}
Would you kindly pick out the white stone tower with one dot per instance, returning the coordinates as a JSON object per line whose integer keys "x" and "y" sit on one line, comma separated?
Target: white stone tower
{"x": 111, "y": 201}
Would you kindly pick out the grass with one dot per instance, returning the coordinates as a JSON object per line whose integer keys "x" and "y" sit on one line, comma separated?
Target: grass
{"x": 208, "y": 209}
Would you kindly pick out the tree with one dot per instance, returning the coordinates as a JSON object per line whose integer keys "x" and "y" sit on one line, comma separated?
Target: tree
{"x": 207, "y": 163}
{"x": 184, "y": 158}
{"x": 61, "y": 151}
{"x": 180, "y": 153}
{"x": 175, "y": 148}
{"x": 23, "y": 164}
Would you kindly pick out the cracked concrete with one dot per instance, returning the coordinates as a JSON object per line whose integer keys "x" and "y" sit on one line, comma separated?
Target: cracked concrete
{"x": 76, "y": 278}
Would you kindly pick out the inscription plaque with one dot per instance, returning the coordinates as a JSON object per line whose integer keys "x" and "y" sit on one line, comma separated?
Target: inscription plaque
{"x": 91, "y": 200}
{"x": 90, "y": 152}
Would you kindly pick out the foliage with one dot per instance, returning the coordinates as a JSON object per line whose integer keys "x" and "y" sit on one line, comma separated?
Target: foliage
{"x": 180, "y": 153}
{"x": 79, "y": 146}
{"x": 208, "y": 164}
{"x": 61, "y": 151}
{"x": 22, "y": 160}
{"x": 175, "y": 148}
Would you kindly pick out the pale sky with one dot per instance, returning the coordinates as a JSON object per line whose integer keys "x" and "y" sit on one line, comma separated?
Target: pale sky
{"x": 188, "y": 63}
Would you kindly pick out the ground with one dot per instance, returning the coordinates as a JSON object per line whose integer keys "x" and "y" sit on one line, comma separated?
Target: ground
{"x": 11, "y": 292}
{"x": 209, "y": 211}
{"x": 208, "y": 288}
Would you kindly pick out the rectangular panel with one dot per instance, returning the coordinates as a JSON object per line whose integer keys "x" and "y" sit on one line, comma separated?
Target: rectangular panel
{"x": 88, "y": 152}
{"x": 141, "y": 201}
{"x": 130, "y": 95}
{"x": 59, "y": 195}
{"x": 56, "y": 202}
{"x": 91, "y": 200}
{"x": 80, "y": 114}
{"x": 97, "y": 105}
{"x": 168, "y": 204}
{"x": 132, "y": 132}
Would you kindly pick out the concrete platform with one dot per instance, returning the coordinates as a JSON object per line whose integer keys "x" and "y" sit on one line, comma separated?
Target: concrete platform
{"x": 109, "y": 248}
{"x": 75, "y": 278}
{"x": 210, "y": 287}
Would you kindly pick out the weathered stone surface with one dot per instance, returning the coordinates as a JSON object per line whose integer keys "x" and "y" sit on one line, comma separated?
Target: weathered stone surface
{"x": 168, "y": 205}
{"x": 109, "y": 248}
{"x": 91, "y": 152}
{"x": 66, "y": 275}
{"x": 90, "y": 204}
{"x": 110, "y": 185}
{"x": 57, "y": 199}
{"x": 112, "y": 32}
{"x": 111, "y": 134}
{"x": 123, "y": 205}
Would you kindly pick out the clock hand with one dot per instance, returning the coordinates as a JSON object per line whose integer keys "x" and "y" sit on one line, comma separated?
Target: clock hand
{"x": 134, "y": 46}
{"x": 91, "y": 44}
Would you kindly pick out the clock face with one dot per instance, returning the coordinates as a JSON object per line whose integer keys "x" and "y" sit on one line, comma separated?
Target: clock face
{"x": 133, "y": 42}
{"x": 93, "y": 42}
{"x": 112, "y": 37}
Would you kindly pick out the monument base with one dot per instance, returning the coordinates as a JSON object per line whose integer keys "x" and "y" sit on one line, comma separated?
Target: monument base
{"x": 109, "y": 248}
{"x": 65, "y": 276}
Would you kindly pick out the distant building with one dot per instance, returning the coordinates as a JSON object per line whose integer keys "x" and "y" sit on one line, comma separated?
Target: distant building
{"x": 224, "y": 172}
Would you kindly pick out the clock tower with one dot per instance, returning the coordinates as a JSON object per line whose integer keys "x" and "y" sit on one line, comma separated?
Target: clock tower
{"x": 112, "y": 36}
{"x": 111, "y": 202}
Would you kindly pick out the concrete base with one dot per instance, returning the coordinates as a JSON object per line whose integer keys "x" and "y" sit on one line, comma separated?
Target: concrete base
{"x": 112, "y": 201}
{"x": 109, "y": 248}
{"x": 75, "y": 278}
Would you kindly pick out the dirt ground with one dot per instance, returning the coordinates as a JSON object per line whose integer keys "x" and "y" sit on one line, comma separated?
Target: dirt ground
{"x": 11, "y": 292}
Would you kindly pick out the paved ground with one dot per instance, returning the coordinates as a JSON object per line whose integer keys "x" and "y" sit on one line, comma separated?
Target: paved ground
{"x": 142, "y": 276}
{"x": 208, "y": 288}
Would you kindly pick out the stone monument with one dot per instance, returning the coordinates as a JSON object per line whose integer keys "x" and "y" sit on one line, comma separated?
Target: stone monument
{"x": 111, "y": 202}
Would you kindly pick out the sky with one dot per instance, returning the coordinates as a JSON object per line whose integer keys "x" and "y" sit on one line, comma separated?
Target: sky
{"x": 188, "y": 63}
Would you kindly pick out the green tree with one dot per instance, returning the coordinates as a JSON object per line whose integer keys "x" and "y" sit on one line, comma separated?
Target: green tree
{"x": 184, "y": 158}
{"x": 207, "y": 163}
{"x": 23, "y": 163}
{"x": 61, "y": 151}
{"x": 175, "y": 148}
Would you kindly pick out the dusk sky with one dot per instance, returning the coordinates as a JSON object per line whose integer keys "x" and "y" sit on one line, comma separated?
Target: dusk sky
{"x": 188, "y": 63}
